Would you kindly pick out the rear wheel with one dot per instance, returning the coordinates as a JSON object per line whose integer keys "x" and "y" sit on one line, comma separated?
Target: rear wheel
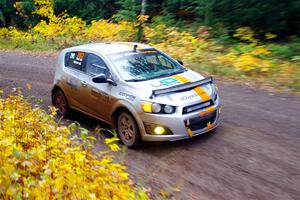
{"x": 128, "y": 130}
{"x": 61, "y": 103}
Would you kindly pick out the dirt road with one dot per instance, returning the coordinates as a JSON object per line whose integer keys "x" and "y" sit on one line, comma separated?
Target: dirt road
{"x": 254, "y": 154}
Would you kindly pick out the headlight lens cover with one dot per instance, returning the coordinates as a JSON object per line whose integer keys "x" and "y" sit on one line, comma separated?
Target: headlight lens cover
{"x": 168, "y": 109}
{"x": 157, "y": 108}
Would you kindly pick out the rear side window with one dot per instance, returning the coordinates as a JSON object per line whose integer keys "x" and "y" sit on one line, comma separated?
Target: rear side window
{"x": 75, "y": 60}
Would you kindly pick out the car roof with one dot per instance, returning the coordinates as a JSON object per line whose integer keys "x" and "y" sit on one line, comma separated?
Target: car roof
{"x": 111, "y": 47}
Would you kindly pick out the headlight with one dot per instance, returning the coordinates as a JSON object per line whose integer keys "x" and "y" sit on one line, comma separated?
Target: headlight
{"x": 168, "y": 109}
{"x": 157, "y": 108}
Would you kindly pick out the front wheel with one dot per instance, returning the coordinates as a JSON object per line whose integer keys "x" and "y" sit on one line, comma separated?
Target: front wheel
{"x": 61, "y": 103}
{"x": 128, "y": 130}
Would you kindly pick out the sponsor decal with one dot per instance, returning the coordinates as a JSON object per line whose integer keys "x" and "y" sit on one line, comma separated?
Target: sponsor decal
{"x": 127, "y": 96}
{"x": 76, "y": 62}
{"x": 166, "y": 82}
{"x": 189, "y": 97}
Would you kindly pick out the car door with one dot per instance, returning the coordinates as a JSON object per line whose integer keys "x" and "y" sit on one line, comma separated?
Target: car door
{"x": 96, "y": 96}
{"x": 73, "y": 72}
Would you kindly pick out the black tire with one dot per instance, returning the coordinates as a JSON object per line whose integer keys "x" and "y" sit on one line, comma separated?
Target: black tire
{"x": 128, "y": 130}
{"x": 61, "y": 103}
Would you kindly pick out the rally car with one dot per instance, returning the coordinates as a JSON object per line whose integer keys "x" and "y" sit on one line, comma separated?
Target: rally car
{"x": 140, "y": 91}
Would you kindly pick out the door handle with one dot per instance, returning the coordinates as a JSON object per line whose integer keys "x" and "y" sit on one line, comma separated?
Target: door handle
{"x": 83, "y": 83}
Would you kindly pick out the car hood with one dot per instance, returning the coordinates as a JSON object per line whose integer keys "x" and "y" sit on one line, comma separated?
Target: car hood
{"x": 176, "y": 98}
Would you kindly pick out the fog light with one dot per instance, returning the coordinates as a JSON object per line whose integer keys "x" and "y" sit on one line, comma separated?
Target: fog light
{"x": 159, "y": 130}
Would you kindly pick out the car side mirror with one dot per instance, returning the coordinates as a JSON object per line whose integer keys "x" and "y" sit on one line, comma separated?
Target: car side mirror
{"x": 102, "y": 78}
{"x": 180, "y": 62}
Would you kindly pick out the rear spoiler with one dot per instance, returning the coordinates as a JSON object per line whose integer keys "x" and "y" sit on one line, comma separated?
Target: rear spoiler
{"x": 181, "y": 87}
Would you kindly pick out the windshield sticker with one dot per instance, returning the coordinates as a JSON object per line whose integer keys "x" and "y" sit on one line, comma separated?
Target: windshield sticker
{"x": 80, "y": 56}
{"x": 72, "y": 56}
{"x": 166, "y": 82}
{"x": 76, "y": 62}
{"x": 127, "y": 96}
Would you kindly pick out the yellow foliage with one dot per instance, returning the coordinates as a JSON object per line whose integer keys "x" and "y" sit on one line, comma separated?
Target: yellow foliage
{"x": 4, "y": 33}
{"x": 260, "y": 51}
{"x": 103, "y": 30}
{"x": 178, "y": 44}
{"x": 248, "y": 62}
{"x": 142, "y": 18}
{"x": 245, "y": 34}
{"x": 270, "y": 36}
{"x": 251, "y": 61}
{"x": 254, "y": 60}
{"x": 61, "y": 26}
{"x": 40, "y": 159}
{"x": 15, "y": 35}
{"x": 19, "y": 9}
{"x": 45, "y": 8}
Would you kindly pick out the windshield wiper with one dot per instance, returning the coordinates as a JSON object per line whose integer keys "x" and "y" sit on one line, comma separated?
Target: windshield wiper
{"x": 170, "y": 73}
{"x": 159, "y": 76}
{"x": 135, "y": 80}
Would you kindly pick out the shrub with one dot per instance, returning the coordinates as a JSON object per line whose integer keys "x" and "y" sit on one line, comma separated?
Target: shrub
{"x": 40, "y": 159}
{"x": 103, "y": 30}
{"x": 179, "y": 44}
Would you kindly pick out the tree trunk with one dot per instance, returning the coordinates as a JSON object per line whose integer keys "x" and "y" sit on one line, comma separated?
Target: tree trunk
{"x": 208, "y": 8}
{"x": 140, "y": 33}
{"x": 143, "y": 7}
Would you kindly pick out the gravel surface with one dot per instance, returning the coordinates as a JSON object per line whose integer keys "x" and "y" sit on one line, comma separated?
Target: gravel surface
{"x": 254, "y": 154}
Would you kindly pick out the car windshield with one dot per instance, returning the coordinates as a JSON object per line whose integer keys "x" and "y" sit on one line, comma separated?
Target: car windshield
{"x": 144, "y": 65}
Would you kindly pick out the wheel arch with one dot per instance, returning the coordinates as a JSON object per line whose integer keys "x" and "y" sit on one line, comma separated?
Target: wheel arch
{"x": 126, "y": 107}
{"x": 55, "y": 88}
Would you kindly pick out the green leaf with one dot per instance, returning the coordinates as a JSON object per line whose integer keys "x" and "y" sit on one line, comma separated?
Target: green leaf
{"x": 17, "y": 153}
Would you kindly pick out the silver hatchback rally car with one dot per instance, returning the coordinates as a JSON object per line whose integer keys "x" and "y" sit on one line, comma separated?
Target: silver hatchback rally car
{"x": 140, "y": 91}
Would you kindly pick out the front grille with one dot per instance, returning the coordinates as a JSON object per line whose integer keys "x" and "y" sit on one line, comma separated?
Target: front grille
{"x": 198, "y": 123}
{"x": 196, "y": 107}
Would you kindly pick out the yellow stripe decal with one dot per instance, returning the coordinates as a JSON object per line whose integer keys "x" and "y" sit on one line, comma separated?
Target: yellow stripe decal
{"x": 201, "y": 93}
{"x": 199, "y": 90}
{"x": 206, "y": 111}
{"x": 181, "y": 79}
{"x": 189, "y": 131}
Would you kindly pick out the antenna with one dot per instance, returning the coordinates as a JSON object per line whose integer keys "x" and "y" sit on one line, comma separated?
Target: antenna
{"x": 134, "y": 47}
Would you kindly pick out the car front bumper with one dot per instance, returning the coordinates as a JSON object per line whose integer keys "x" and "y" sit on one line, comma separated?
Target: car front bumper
{"x": 183, "y": 125}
